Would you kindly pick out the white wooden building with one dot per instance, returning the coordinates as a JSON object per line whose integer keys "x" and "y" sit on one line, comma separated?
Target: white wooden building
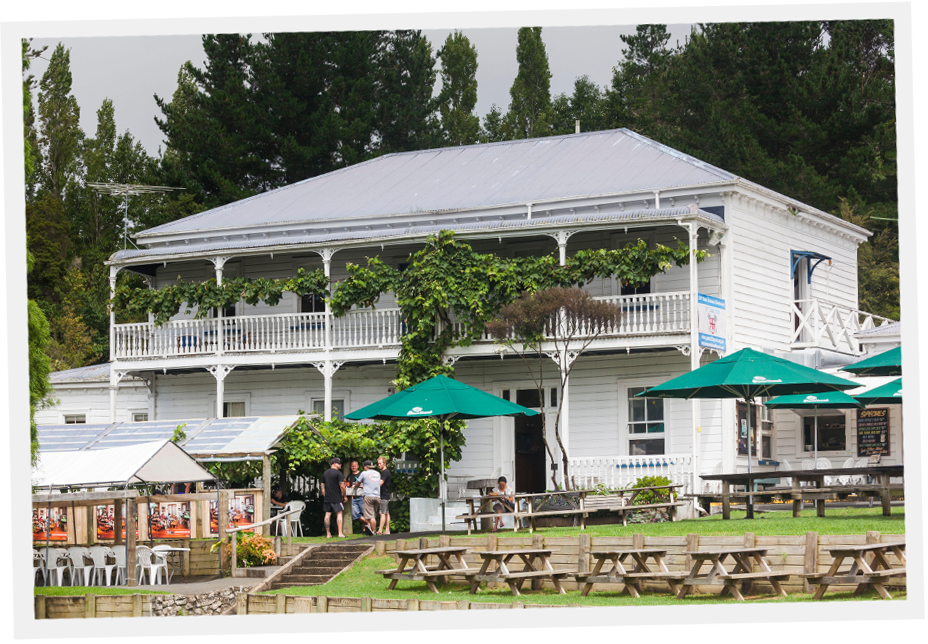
{"x": 786, "y": 272}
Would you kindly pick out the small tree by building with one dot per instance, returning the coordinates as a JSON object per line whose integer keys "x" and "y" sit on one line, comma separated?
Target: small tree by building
{"x": 558, "y": 323}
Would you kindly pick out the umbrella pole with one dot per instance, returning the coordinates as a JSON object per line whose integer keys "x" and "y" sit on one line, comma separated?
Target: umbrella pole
{"x": 750, "y": 502}
{"x": 441, "y": 481}
{"x": 815, "y": 441}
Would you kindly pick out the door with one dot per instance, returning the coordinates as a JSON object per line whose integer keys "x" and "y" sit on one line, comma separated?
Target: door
{"x": 530, "y": 455}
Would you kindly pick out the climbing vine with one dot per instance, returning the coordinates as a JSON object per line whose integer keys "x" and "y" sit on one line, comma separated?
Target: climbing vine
{"x": 167, "y": 302}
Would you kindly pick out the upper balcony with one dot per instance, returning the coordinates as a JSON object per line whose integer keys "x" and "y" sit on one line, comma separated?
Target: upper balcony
{"x": 821, "y": 324}
{"x": 646, "y": 320}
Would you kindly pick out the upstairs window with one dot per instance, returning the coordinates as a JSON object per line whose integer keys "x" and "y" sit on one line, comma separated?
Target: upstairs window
{"x": 312, "y": 303}
{"x": 75, "y": 419}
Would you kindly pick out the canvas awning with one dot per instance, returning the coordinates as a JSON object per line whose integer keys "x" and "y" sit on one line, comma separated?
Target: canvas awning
{"x": 152, "y": 462}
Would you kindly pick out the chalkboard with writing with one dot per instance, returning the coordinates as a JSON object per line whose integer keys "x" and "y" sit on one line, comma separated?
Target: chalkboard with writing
{"x": 872, "y": 431}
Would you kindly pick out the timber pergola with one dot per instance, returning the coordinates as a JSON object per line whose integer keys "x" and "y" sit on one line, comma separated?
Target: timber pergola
{"x": 145, "y": 464}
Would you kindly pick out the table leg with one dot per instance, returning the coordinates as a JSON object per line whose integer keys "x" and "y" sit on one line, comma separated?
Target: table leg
{"x": 885, "y": 496}
{"x": 726, "y": 506}
{"x": 797, "y": 503}
{"x": 820, "y": 503}
{"x": 663, "y": 568}
{"x": 474, "y": 583}
{"x": 399, "y": 570}
{"x": 762, "y": 562}
{"x": 831, "y": 573}
{"x": 859, "y": 559}
{"x": 596, "y": 569}
{"x": 546, "y": 565}
{"x": 694, "y": 571}
{"x": 633, "y": 588}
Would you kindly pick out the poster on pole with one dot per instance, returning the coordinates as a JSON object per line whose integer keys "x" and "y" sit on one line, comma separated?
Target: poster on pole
{"x": 104, "y": 516}
{"x": 169, "y": 520}
{"x": 872, "y": 431}
{"x": 710, "y": 312}
{"x": 241, "y": 512}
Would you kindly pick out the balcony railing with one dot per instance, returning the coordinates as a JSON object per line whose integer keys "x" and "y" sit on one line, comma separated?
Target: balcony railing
{"x": 825, "y": 325}
{"x": 621, "y": 471}
{"x": 653, "y": 314}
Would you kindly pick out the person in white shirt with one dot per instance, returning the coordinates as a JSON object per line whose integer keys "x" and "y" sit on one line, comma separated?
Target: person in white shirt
{"x": 505, "y": 502}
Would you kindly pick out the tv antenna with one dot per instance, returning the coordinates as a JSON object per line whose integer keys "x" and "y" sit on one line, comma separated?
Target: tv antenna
{"x": 124, "y": 190}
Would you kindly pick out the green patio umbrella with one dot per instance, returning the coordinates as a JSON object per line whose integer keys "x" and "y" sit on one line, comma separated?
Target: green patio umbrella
{"x": 747, "y": 374}
{"x": 828, "y": 400}
{"x": 888, "y": 394}
{"x": 888, "y": 363}
{"x": 442, "y": 398}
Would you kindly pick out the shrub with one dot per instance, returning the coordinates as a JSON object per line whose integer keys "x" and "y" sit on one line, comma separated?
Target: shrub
{"x": 252, "y": 550}
{"x": 657, "y": 496}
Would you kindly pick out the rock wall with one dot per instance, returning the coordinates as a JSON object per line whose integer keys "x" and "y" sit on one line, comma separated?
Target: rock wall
{"x": 212, "y": 603}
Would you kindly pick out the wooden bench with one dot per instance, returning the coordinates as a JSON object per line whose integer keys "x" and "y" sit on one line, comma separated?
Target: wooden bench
{"x": 619, "y": 575}
{"x": 515, "y": 579}
{"x": 418, "y": 571}
{"x": 718, "y": 575}
{"x": 863, "y": 573}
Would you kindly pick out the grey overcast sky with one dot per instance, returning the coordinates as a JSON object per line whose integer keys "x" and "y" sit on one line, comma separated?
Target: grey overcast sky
{"x": 131, "y": 70}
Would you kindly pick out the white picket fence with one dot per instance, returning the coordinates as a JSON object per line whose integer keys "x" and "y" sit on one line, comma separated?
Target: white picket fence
{"x": 621, "y": 471}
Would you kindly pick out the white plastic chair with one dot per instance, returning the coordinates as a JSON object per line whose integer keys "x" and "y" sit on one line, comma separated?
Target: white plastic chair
{"x": 148, "y": 561}
{"x": 784, "y": 465}
{"x": 79, "y": 566}
{"x": 714, "y": 487}
{"x": 38, "y": 565}
{"x": 162, "y": 552}
{"x": 294, "y": 518}
{"x": 848, "y": 479}
{"x": 53, "y": 570}
{"x": 121, "y": 573}
{"x": 99, "y": 554}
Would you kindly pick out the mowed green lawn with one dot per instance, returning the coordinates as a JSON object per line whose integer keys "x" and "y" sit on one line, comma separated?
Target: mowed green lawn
{"x": 62, "y": 591}
{"x": 361, "y": 581}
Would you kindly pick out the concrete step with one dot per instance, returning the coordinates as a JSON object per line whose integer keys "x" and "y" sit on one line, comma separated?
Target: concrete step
{"x": 258, "y": 572}
{"x": 279, "y": 585}
{"x": 316, "y": 570}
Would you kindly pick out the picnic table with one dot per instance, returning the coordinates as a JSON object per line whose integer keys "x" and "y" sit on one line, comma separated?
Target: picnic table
{"x": 515, "y": 579}
{"x": 418, "y": 571}
{"x": 818, "y": 492}
{"x": 619, "y": 575}
{"x": 863, "y": 573}
{"x": 719, "y": 575}
{"x": 582, "y": 502}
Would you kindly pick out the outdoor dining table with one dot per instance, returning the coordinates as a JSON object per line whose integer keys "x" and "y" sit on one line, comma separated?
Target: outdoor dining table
{"x": 418, "y": 571}
{"x": 719, "y": 575}
{"x": 619, "y": 575}
{"x": 798, "y": 494}
{"x": 532, "y": 570}
{"x": 862, "y": 572}
{"x": 169, "y": 554}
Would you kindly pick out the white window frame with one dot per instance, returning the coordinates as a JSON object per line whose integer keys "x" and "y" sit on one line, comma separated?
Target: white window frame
{"x": 139, "y": 410}
{"x": 337, "y": 394}
{"x": 625, "y": 436}
{"x": 849, "y": 433}
{"x": 78, "y": 412}
{"x": 231, "y": 397}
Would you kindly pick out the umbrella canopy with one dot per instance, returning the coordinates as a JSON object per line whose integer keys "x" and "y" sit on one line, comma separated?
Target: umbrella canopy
{"x": 748, "y": 374}
{"x": 828, "y": 400}
{"x": 442, "y": 398}
{"x": 888, "y": 363}
{"x": 888, "y": 394}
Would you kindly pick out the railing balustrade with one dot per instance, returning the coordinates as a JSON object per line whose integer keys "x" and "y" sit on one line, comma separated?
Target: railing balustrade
{"x": 822, "y": 324}
{"x": 621, "y": 471}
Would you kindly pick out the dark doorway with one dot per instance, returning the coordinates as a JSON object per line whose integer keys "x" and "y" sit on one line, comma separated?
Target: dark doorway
{"x": 530, "y": 455}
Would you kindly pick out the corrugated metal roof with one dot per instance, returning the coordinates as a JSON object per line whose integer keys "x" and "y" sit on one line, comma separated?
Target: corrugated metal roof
{"x": 92, "y": 373}
{"x": 894, "y": 328}
{"x": 539, "y": 221}
{"x": 472, "y": 176}
{"x": 210, "y": 437}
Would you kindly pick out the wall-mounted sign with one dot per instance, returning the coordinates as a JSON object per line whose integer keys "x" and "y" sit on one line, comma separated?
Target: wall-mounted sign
{"x": 51, "y": 525}
{"x": 872, "y": 431}
{"x": 241, "y": 512}
{"x": 169, "y": 520}
{"x": 710, "y": 312}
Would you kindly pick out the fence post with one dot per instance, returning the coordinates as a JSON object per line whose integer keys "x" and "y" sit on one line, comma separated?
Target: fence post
{"x": 412, "y": 604}
{"x": 136, "y": 605}
{"x": 90, "y": 605}
{"x": 463, "y": 604}
{"x": 538, "y": 542}
{"x": 810, "y": 559}
{"x": 40, "y": 606}
{"x": 746, "y": 585}
{"x": 281, "y": 604}
{"x": 637, "y": 541}
{"x": 322, "y": 604}
{"x": 380, "y": 548}
{"x": 366, "y": 605}
{"x": 692, "y": 544}
{"x": 241, "y": 603}
{"x": 234, "y": 537}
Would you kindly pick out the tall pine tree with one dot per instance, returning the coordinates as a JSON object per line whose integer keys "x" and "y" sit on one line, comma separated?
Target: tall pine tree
{"x": 458, "y": 96}
{"x": 406, "y": 110}
{"x": 529, "y": 112}
{"x": 59, "y": 121}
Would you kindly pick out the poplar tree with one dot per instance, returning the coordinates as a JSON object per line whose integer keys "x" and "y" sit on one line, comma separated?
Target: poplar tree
{"x": 458, "y": 96}
{"x": 529, "y": 112}
{"x": 59, "y": 120}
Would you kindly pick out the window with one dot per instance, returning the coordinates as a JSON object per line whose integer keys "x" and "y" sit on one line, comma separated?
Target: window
{"x": 338, "y": 408}
{"x": 233, "y": 409}
{"x": 832, "y": 433}
{"x": 640, "y": 289}
{"x": 140, "y": 417}
{"x": 645, "y": 423}
{"x": 75, "y": 419}
{"x": 529, "y": 397}
{"x": 312, "y": 303}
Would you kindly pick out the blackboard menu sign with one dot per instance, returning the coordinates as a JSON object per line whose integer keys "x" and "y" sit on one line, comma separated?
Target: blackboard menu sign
{"x": 872, "y": 431}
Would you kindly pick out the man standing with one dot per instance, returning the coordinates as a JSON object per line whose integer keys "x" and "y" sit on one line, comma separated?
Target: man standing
{"x": 333, "y": 495}
{"x": 356, "y": 502}
{"x": 384, "y": 496}
{"x": 370, "y": 479}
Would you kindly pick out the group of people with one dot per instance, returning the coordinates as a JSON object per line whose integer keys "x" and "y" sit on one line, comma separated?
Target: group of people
{"x": 375, "y": 495}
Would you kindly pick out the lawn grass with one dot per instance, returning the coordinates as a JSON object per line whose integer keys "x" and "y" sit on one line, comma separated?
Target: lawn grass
{"x": 68, "y": 591}
{"x": 837, "y": 521}
{"x": 361, "y": 581}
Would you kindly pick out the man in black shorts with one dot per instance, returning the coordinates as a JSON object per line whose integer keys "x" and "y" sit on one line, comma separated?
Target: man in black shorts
{"x": 333, "y": 495}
